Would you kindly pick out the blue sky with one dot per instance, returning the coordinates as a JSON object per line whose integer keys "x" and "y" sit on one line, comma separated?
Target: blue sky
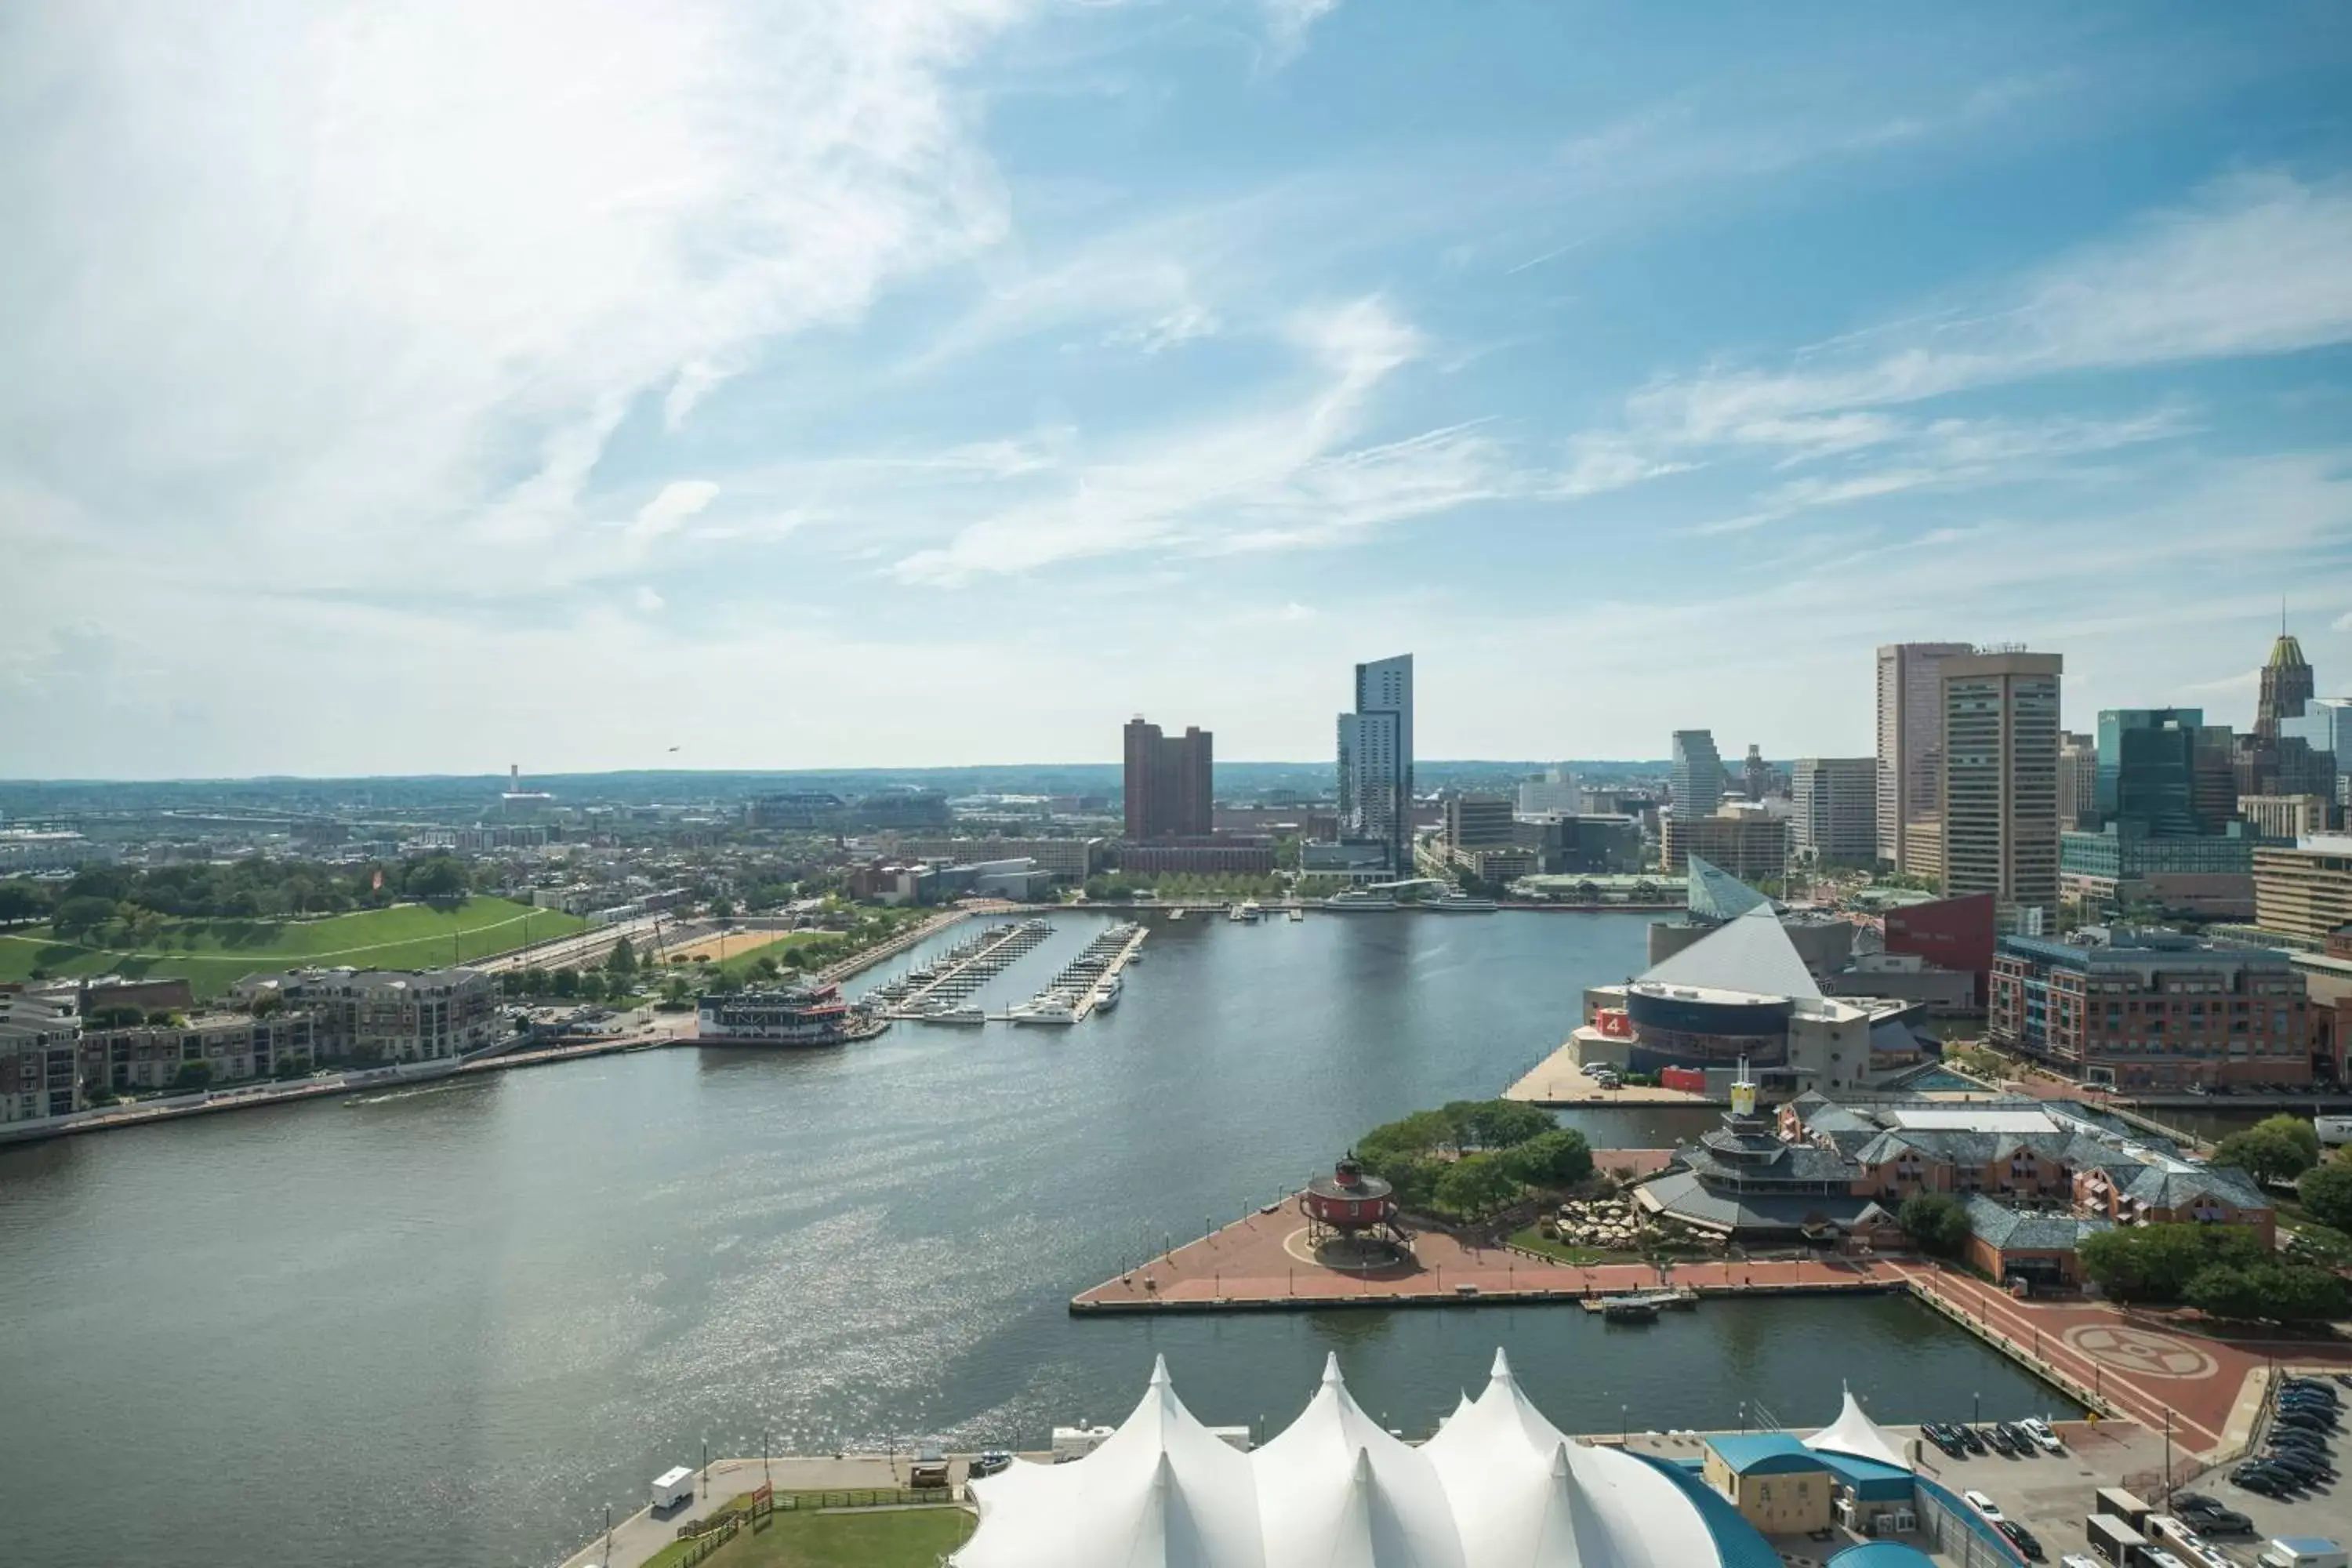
{"x": 876, "y": 383}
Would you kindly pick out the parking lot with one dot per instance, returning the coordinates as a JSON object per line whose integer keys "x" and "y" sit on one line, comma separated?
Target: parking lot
{"x": 2051, "y": 1493}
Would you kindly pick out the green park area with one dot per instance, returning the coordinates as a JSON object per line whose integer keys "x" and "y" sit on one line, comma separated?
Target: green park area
{"x": 214, "y": 953}
{"x": 876, "y": 1538}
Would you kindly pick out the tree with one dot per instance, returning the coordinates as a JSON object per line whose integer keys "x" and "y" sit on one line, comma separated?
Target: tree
{"x": 81, "y": 915}
{"x": 164, "y": 1018}
{"x": 436, "y": 877}
{"x": 2266, "y": 1150}
{"x": 21, "y": 901}
{"x": 1496, "y": 1123}
{"x": 2327, "y": 1193}
{"x": 193, "y": 1075}
{"x": 565, "y": 983}
{"x": 1475, "y": 1184}
{"x": 115, "y": 1018}
{"x": 2156, "y": 1262}
{"x": 623, "y": 959}
{"x": 1936, "y": 1222}
{"x": 268, "y": 1003}
{"x": 2300, "y": 1128}
{"x": 675, "y": 990}
{"x": 1559, "y": 1158}
{"x": 2280, "y": 1292}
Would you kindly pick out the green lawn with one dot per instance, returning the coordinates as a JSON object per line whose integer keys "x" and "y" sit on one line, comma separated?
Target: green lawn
{"x": 215, "y": 954}
{"x": 1534, "y": 1240}
{"x": 884, "y": 1537}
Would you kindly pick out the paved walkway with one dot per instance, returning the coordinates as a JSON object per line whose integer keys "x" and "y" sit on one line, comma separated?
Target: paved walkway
{"x": 640, "y": 1535}
{"x": 1264, "y": 1261}
{"x": 1559, "y": 1080}
{"x": 2153, "y": 1369}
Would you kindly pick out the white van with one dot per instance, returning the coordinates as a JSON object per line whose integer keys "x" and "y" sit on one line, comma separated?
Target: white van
{"x": 2302, "y": 1552}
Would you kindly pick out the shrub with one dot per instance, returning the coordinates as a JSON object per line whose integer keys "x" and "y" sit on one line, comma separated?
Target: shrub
{"x": 1936, "y": 1222}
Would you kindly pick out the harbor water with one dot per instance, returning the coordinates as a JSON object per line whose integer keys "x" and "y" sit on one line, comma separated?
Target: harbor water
{"x": 451, "y": 1325}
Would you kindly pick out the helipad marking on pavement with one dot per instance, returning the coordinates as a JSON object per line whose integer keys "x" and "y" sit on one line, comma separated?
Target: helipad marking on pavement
{"x": 2141, "y": 1352}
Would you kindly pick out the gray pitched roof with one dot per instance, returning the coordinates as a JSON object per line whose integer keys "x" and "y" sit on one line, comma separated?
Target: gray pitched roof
{"x": 1999, "y": 1225}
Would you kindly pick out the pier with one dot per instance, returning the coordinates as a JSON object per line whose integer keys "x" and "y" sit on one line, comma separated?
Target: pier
{"x": 960, "y": 971}
{"x": 1559, "y": 1081}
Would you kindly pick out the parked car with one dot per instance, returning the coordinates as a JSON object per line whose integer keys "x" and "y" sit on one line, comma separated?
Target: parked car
{"x": 1970, "y": 1435}
{"x": 2001, "y": 1441}
{"x": 2263, "y": 1478}
{"x": 2217, "y": 1521}
{"x": 1982, "y": 1504}
{"x": 2020, "y": 1538}
{"x": 2018, "y": 1436}
{"x": 991, "y": 1462}
{"x": 2045, "y": 1437}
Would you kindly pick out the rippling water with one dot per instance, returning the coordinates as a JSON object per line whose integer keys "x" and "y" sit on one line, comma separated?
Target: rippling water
{"x": 448, "y": 1326}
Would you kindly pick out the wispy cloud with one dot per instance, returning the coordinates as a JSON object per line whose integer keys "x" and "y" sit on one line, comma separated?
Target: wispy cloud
{"x": 1289, "y": 474}
{"x": 1287, "y": 23}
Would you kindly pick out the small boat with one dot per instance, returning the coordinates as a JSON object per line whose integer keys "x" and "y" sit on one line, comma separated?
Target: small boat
{"x": 1629, "y": 1310}
{"x": 961, "y": 1016}
{"x": 1296, "y": 913}
{"x": 1246, "y": 912}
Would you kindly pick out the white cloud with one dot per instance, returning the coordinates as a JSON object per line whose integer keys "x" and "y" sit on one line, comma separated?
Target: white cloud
{"x": 1180, "y": 325}
{"x": 1287, "y": 22}
{"x": 649, "y": 601}
{"x": 2252, "y": 267}
{"x": 678, "y": 501}
{"x": 358, "y": 288}
{"x": 1287, "y": 475}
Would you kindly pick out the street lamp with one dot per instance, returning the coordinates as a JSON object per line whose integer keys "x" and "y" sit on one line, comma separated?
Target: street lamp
{"x": 1979, "y": 1421}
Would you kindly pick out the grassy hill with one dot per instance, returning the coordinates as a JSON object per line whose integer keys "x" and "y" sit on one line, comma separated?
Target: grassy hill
{"x": 215, "y": 953}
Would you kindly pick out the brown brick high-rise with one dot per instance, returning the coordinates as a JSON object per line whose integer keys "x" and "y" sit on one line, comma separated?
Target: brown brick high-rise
{"x": 1168, "y": 783}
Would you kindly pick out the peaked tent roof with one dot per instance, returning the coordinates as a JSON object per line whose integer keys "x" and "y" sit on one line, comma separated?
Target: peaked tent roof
{"x": 1716, "y": 895}
{"x": 1855, "y": 1434}
{"x": 1751, "y": 953}
{"x": 1498, "y": 1487}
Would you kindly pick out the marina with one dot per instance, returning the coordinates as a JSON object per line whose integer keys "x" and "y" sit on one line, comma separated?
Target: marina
{"x": 1088, "y": 983}
{"x": 936, "y": 992}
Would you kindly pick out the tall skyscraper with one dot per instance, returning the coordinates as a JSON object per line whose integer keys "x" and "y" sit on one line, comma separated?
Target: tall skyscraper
{"x": 1697, "y": 775}
{"x": 2326, "y": 727}
{"x": 1910, "y": 742}
{"x": 1755, "y": 774}
{"x": 1836, "y": 818}
{"x": 2216, "y": 785}
{"x": 2286, "y": 685}
{"x": 1999, "y": 783}
{"x": 1376, "y": 759}
{"x": 2078, "y": 783}
{"x": 2148, "y": 770}
{"x": 1554, "y": 794}
{"x": 1169, "y": 782}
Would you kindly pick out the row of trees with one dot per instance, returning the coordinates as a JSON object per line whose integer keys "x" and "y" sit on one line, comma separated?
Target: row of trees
{"x": 1470, "y": 1158}
{"x": 1116, "y": 885}
{"x": 2222, "y": 1269}
{"x": 126, "y": 904}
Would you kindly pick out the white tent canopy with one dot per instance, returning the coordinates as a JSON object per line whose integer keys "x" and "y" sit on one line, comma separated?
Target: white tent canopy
{"x": 1498, "y": 1487}
{"x": 1856, "y": 1436}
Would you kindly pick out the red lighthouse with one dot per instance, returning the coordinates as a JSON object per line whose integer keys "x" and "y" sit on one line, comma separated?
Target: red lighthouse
{"x": 1349, "y": 1204}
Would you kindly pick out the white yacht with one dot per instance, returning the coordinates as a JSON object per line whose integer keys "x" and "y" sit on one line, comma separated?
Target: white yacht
{"x": 1357, "y": 899}
{"x": 1107, "y": 995}
{"x": 1048, "y": 1010}
{"x": 961, "y": 1016}
{"x": 1246, "y": 912}
{"x": 1461, "y": 903}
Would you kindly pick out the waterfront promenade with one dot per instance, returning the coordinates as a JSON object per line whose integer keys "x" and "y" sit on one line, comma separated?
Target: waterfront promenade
{"x": 2155, "y": 1369}
{"x": 637, "y": 1536}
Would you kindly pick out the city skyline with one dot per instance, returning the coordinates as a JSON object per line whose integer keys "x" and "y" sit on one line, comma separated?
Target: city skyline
{"x": 349, "y": 391}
